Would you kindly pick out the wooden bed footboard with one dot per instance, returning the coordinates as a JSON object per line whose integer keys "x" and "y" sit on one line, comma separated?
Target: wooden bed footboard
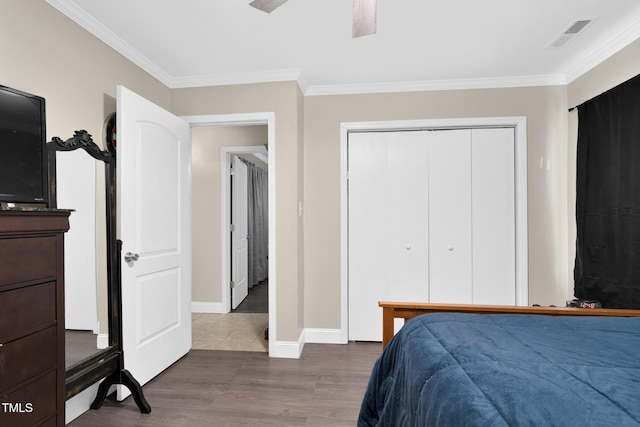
{"x": 404, "y": 310}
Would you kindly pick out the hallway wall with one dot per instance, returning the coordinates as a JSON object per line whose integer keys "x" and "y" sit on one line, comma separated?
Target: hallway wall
{"x": 207, "y": 144}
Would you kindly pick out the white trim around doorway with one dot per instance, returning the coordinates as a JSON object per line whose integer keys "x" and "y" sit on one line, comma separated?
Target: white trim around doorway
{"x": 250, "y": 119}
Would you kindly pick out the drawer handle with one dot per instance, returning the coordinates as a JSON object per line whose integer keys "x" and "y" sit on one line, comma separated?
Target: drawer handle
{"x": 129, "y": 257}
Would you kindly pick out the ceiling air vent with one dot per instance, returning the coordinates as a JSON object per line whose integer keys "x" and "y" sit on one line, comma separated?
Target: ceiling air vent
{"x": 570, "y": 32}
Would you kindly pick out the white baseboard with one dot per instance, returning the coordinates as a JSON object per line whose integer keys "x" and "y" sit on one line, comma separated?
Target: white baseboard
{"x": 208, "y": 307}
{"x": 102, "y": 341}
{"x": 293, "y": 349}
{"x": 324, "y": 336}
{"x": 80, "y": 403}
{"x": 287, "y": 349}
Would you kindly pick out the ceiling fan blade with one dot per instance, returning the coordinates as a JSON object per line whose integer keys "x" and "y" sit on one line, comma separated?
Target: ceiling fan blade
{"x": 267, "y": 5}
{"x": 364, "y": 18}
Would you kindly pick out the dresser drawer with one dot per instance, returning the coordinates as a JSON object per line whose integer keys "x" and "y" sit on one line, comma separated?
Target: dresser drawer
{"x": 32, "y": 404}
{"x": 27, "y": 308}
{"x": 27, "y": 258}
{"x": 27, "y": 357}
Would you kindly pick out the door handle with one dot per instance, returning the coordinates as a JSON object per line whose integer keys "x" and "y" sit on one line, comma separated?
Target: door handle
{"x": 129, "y": 257}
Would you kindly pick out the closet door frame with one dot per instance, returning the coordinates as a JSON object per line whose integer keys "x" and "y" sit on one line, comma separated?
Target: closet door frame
{"x": 518, "y": 123}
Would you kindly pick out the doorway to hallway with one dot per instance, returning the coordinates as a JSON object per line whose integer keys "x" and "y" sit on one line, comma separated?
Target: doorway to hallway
{"x": 215, "y": 327}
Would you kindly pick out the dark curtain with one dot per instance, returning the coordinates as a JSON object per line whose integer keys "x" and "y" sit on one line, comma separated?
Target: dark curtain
{"x": 607, "y": 266}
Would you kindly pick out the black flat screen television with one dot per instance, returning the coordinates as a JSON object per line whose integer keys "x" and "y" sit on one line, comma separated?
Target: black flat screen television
{"x": 23, "y": 156}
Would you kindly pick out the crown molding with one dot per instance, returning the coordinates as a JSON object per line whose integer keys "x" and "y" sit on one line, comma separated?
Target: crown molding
{"x": 579, "y": 67}
{"x": 89, "y": 23}
{"x": 86, "y": 21}
{"x": 597, "y": 56}
{"x": 435, "y": 85}
{"x": 235, "y": 78}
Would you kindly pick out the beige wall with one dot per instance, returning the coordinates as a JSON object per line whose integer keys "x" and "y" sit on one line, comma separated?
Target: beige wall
{"x": 207, "y": 144}
{"x": 45, "y": 53}
{"x": 283, "y": 99}
{"x": 316, "y": 263}
{"x": 545, "y": 110}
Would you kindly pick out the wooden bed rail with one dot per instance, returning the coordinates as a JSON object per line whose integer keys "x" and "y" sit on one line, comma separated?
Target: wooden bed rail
{"x": 408, "y": 310}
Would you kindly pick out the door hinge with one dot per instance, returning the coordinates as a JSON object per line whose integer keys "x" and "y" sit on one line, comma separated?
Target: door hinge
{"x": 232, "y": 284}
{"x": 232, "y": 228}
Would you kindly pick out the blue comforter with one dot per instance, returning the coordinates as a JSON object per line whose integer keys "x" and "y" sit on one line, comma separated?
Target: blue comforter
{"x": 507, "y": 370}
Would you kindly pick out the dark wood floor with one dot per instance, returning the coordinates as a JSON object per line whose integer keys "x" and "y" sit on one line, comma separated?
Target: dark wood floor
{"x": 79, "y": 345}
{"x": 257, "y": 301}
{"x": 226, "y": 388}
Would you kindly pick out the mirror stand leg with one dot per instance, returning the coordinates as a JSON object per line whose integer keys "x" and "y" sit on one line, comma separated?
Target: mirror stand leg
{"x": 125, "y": 378}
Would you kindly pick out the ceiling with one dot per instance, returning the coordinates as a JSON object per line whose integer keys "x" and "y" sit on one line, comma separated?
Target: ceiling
{"x": 419, "y": 44}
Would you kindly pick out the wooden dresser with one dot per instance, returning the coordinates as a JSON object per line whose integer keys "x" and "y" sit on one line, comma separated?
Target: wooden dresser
{"x": 32, "y": 365}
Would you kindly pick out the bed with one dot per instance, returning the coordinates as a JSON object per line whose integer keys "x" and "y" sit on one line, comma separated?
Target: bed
{"x": 505, "y": 366}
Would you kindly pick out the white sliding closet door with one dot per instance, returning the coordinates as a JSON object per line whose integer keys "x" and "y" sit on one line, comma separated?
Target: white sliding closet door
{"x": 388, "y": 228}
{"x": 472, "y": 216}
{"x": 431, "y": 219}
{"x": 450, "y": 216}
{"x": 493, "y": 202}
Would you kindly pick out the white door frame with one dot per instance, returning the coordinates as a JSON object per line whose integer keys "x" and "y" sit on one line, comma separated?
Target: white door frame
{"x": 520, "y": 131}
{"x": 248, "y": 119}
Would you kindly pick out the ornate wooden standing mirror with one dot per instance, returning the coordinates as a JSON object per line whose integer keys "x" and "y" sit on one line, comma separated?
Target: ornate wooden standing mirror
{"x": 107, "y": 362}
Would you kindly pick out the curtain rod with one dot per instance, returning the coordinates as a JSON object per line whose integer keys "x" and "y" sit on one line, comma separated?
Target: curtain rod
{"x": 572, "y": 108}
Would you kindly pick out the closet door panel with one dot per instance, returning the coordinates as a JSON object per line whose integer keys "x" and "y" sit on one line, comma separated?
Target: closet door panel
{"x": 408, "y": 201}
{"x": 493, "y": 201}
{"x": 388, "y": 228}
{"x": 368, "y": 239}
{"x": 450, "y": 249}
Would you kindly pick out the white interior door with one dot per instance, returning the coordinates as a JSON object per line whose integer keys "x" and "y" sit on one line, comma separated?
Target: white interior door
{"x": 388, "y": 228}
{"x": 154, "y": 224}
{"x": 239, "y": 235}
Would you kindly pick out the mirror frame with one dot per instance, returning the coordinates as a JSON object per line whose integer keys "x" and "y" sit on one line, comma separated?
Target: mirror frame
{"x": 104, "y": 362}
{"x": 107, "y": 363}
